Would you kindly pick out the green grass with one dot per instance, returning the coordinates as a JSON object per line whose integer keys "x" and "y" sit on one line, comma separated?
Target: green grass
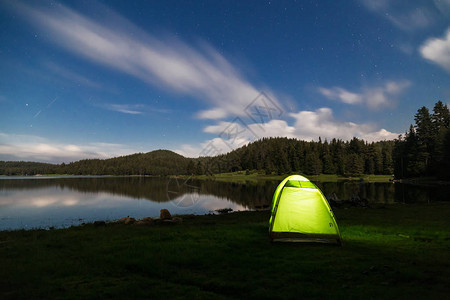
{"x": 397, "y": 251}
{"x": 242, "y": 176}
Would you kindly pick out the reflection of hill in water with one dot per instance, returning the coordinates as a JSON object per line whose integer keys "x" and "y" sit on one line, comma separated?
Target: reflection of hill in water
{"x": 374, "y": 192}
{"x": 154, "y": 189}
{"x": 135, "y": 187}
{"x": 385, "y": 192}
{"x": 251, "y": 194}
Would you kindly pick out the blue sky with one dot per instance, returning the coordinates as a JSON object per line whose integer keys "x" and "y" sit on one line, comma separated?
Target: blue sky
{"x": 85, "y": 79}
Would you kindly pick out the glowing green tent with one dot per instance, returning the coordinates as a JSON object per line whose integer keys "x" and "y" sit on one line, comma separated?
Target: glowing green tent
{"x": 300, "y": 212}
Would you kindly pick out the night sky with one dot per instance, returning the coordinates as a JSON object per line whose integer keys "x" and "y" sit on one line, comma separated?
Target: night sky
{"x": 85, "y": 79}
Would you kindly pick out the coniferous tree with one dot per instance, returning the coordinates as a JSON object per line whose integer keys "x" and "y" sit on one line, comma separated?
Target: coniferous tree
{"x": 379, "y": 160}
{"x": 416, "y": 155}
{"x": 421, "y": 151}
{"x": 328, "y": 165}
{"x": 313, "y": 165}
{"x": 441, "y": 123}
{"x": 355, "y": 165}
{"x": 441, "y": 116}
{"x": 444, "y": 167}
{"x": 425, "y": 134}
{"x": 387, "y": 162}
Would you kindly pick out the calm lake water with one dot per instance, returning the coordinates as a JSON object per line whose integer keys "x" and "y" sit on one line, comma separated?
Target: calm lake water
{"x": 44, "y": 202}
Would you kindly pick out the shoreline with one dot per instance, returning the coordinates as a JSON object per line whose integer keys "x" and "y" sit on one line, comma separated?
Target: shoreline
{"x": 179, "y": 218}
{"x": 242, "y": 177}
{"x": 425, "y": 181}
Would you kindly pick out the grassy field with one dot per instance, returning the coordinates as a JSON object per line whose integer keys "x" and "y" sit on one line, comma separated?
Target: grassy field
{"x": 397, "y": 251}
{"x": 242, "y": 176}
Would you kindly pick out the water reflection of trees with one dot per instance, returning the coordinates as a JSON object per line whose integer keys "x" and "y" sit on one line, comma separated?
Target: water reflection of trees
{"x": 134, "y": 187}
{"x": 373, "y": 192}
{"x": 154, "y": 189}
{"x": 249, "y": 194}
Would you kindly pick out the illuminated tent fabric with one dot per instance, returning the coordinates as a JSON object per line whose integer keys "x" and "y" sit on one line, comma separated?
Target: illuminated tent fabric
{"x": 300, "y": 212}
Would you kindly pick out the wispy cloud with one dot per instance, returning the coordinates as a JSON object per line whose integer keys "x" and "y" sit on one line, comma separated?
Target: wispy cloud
{"x": 309, "y": 125}
{"x": 35, "y": 148}
{"x": 125, "y": 108}
{"x": 412, "y": 20}
{"x": 200, "y": 72}
{"x": 404, "y": 15}
{"x": 443, "y": 6}
{"x": 306, "y": 125}
{"x": 437, "y": 50}
{"x": 71, "y": 75}
{"x": 131, "y": 109}
{"x": 374, "y": 97}
{"x": 406, "y": 48}
{"x": 337, "y": 93}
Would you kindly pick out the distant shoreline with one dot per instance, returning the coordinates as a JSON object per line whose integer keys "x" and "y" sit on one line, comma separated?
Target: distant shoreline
{"x": 228, "y": 177}
{"x": 423, "y": 181}
{"x": 241, "y": 177}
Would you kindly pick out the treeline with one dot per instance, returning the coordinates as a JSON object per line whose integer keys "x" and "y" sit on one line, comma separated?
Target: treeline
{"x": 425, "y": 149}
{"x": 271, "y": 155}
{"x": 285, "y": 155}
{"x": 158, "y": 162}
{"x": 23, "y": 168}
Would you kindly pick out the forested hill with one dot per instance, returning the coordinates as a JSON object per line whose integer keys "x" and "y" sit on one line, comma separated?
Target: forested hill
{"x": 271, "y": 155}
{"x": 284, "y": 155}
{"x": 26, "y": 168}
{"x": 158, "y": 162}
{"x": 423, "y": 151}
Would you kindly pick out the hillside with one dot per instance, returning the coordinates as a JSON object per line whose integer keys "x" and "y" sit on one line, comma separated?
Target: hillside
{"x": 23, "y": 168}
{"x": 287, "y": 155}
{"x": 158, "y": 162}
{"x": 270, "y": 155}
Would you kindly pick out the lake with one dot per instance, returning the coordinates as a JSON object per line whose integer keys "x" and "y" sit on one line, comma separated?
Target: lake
{"x": 45, "y": 202}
